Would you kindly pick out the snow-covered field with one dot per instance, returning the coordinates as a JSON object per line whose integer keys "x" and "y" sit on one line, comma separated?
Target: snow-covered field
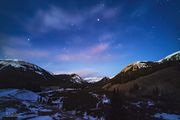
{"x": 63, "y": 104}
{"x": 45, "y": 105}
{"x": 167, "y": 116}
{"x": 25, "y": 95}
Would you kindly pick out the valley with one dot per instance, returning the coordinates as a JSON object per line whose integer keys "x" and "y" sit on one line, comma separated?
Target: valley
{"x": 141, "y": 91}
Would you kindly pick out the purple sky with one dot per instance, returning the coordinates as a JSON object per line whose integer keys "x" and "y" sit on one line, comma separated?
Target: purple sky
{"x": 88, "y": 37}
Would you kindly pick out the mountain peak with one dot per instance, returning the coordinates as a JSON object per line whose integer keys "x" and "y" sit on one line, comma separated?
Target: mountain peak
{"x": 76, "y": 78}
{"x": 20, "y": 74}
{"x": 141, "y": 64}
{"x": 19, "y": 64}
{"x": 137, "y": 65}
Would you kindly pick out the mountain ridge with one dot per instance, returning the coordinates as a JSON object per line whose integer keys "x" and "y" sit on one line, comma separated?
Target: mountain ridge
{"x": 21, "y": 74}
{"x": 147, "y": 66}
{"x": 27, "y": 73}
{"x": 142, "y": 80}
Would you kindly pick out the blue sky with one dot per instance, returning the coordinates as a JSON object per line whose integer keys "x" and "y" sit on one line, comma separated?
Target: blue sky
{"x": 88, "y": 37}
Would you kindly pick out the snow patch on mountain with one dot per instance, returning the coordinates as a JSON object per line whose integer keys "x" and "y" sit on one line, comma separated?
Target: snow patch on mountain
{"x": 140, "y": 64}
{"x": 38, "y": 72}
{"x": 14, "y": 64}
{"x": 137, "y": 65}
{"x": 92, "y": 79}
{"x": 21, "y": 65}
{"x": 76, "y": 79}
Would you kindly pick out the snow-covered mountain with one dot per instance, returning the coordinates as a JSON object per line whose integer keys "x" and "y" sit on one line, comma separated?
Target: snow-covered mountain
{"x": 144, "y": 68}
{"x": 148, "y": 64}
{"x": 71, "y": 78}
{"x": 76, "y": 79}
{"x": 21, "y": 74}
{"x": 24, "y": 95}
{"x": 172, "y": 57}
{"x": 135, "y": 70}
{"x": 92, "y": 79}
{"x": 138, "y": 65}
{"x": 141, "y": 69}
{"x": 21, "y": 65}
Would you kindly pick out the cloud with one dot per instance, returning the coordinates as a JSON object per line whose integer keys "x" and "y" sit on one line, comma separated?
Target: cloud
{"x": 110, "y": 13}
{"x": 142, "y": 9}
{"x": 20, "y": 47}
{"x": 91, "y": 54}
{"x": 56, "y": 18}
{"x": 99, "y": 48}
{"x": 14, "y": 41}
{"x": 106, "y": 37}
{"x": 104, "y": 11}
{"x": 22, "y": 53}
{"x": 97, "y": 9}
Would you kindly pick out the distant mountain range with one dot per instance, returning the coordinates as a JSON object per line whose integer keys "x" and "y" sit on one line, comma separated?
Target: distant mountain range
{"x": 21, "y": 74}
{"x": 70, "y": 80}
{"x": 93, "y": 79}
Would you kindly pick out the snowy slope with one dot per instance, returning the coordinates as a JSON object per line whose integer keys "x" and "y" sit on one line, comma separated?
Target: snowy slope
{"x": 70, "y": 78}
{"x": 76, "y": 79}
{"x": 20, "y": 65}
{"x": 19, "y": 94}
{"x": 167, "y": 116}
{"x": 147, "y": 64}
{"x": 172, "y": 57}
{"x": 138, "y": 65}
{"x": 21, "y": 74}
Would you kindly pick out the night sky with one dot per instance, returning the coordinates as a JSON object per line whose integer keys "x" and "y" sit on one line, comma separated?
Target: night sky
{"x": 88, "y": 37}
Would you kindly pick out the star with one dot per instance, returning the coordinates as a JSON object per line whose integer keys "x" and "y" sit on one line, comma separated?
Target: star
{"x": 28, "y": 39}
{"x": 98, "y": 19}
